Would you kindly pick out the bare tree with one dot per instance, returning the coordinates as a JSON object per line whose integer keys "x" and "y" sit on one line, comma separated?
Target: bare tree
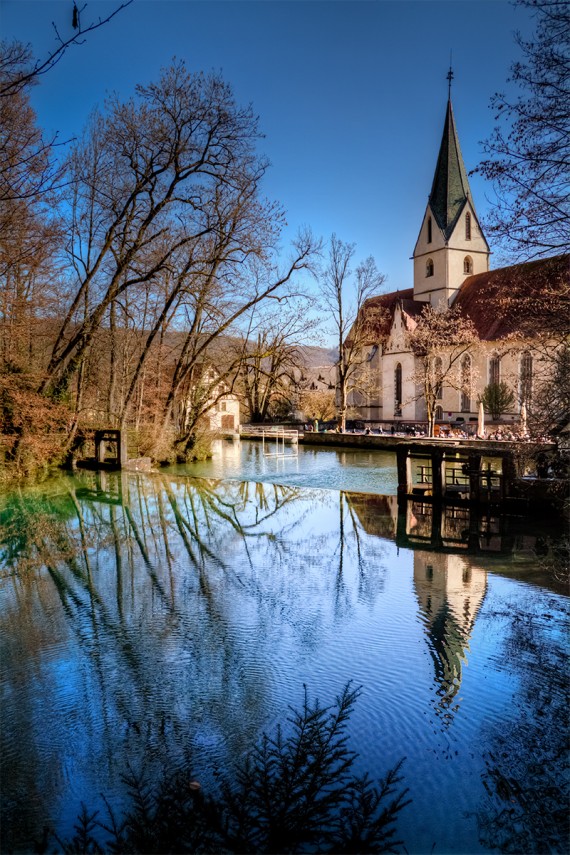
{"x": 318, "y": 404}
{"x": 225, "y": 297}
{"x": 354, "y": 326}
{"x": 158, "y": 182}
{"x": 29, "y": 232}
{"x": 529, "y": 152}
{"x": 440, "y": 340}
{"x": 273, "y": 356}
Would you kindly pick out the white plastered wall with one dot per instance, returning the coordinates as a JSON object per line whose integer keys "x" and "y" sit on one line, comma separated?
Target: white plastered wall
{"x": 448, "y": 259}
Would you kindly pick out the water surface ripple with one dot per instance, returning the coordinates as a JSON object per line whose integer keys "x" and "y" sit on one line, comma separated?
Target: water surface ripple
{"x": 147, "y": 618}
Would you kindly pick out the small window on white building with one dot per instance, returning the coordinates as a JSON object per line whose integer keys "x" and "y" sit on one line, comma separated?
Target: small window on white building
{"x": 467, "y": 226}
{"x": 429, "y": 267}
{"x": 468, "y": 264}
{"x": 429, "y": 230}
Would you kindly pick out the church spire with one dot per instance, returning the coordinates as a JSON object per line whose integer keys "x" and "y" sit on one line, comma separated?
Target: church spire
{"x": 450, "y": 189}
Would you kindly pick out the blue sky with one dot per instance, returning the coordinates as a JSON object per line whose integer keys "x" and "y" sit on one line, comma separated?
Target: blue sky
{"x": 351, "y": 95}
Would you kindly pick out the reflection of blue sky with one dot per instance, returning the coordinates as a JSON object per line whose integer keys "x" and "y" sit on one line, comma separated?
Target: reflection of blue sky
{"x": 150, "y": 655}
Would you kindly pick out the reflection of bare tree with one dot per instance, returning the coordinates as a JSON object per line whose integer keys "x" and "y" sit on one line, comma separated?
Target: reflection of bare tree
{"x": 124, "y": 602}
{"x": 526, "y": 777}
{"x": 111, "y": 567}
{"x": 369, "y": 514}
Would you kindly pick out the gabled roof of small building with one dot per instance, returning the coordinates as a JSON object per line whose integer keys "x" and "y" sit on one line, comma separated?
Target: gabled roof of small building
{"x": 450, "y": 188}
{"x": 490, "y": 299}
{"x": 379, "y": 326}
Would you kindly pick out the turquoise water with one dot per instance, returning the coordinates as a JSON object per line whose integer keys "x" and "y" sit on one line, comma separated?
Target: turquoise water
{"x": 299, "y": 466}
{"x": 145, "y": 618}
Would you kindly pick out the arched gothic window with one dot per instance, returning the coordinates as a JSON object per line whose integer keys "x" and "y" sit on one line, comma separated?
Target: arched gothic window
{"x": 438, "y": 413}
{"x": 526, "y": 377}
{"x": 398, "y": 390}
{"x": 468, "y": 264}
{"x": 495, "y": 370}
{"x": 438, "y": 373}
{"x": 467, "y": 226}
{"x": 466, "y": 384}
{"x": 429, "y": 230}
{"x": 429, "y": 267}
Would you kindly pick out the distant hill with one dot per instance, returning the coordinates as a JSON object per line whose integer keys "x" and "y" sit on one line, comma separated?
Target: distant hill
{"x": 320, "y": 366}
{"x": 319, "y": 357}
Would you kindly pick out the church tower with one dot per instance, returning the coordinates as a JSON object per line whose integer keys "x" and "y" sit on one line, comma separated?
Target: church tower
{"x": 451, "y": 245}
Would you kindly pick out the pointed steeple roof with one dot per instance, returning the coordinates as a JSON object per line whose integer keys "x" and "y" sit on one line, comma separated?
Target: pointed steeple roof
{"x": 450, "y": 189}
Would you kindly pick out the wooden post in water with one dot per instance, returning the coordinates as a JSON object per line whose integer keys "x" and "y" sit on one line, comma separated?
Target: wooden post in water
{"x": 437, "y": 474}
{"x": 474, "y": 478}
{"x": 100, "y": 446}
{"x": 508, "y": 475}
{"x": 118, "y": 438}
{"x": 404, "y": 465}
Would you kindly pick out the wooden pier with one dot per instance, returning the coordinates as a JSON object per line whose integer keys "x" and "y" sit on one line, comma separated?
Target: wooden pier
{"x": 441, "y": 474}
{"x": 106, "y": 448}
{"x": 461, "y": 471}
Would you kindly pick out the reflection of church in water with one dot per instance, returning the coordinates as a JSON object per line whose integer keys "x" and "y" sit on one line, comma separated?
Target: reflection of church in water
{"x": 450, "y": 593}
{"x": 449, "y": 590}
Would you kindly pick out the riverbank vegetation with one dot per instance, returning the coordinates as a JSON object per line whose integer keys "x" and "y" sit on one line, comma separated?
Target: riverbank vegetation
{"x": 130, "y": 260}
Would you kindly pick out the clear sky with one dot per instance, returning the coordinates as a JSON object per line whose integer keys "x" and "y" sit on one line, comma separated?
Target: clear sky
{"x": 351, "y": 95}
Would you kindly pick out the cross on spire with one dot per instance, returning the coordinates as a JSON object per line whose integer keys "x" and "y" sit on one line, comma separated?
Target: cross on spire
{"x": 449, "y": 78}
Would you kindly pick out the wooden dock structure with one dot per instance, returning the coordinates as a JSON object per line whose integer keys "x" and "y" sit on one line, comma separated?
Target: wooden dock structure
{"x": 460, "y": 471}
{"x": 448, "y": 474}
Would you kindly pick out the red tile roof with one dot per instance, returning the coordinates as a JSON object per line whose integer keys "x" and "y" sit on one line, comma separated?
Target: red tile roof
{"x": 491, "y": 299}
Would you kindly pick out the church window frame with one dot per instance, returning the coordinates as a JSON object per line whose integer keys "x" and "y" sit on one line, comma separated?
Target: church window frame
{"x": 494, "y": 369}
{"x": 465, "y": 403}
{"x": 429, "y": 268}
{"x": 467, "y": 226}
{"x": 429, "y": 231}
{"x": 526, "y": 368}
{"x": 438, "y": 375}
{"x": 398, "y": 389}
{"x": 439, "y": 413}
{"x": 467, "y": 265}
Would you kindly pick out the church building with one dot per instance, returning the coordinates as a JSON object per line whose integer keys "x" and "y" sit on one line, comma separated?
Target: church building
{"x": 450, "y": 269}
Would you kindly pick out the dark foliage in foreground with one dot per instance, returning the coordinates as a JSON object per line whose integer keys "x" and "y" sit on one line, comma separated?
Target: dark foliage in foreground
{"x": 295, "y": 792}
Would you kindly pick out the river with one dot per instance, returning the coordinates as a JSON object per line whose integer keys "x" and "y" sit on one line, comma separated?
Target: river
{"x": 149, "y": 618}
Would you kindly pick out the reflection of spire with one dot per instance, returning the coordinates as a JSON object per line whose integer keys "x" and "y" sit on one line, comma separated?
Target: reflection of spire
{"x": 447, "y": 647}
{"x": 449, "y": 594}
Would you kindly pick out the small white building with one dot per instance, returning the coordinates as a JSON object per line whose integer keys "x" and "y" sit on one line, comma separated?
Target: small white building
{"x": 224, "y": 414}
{"x": 209, "y": 401}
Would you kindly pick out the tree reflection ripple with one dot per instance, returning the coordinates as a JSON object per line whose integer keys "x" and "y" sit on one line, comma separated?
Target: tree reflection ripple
{"x": 150, "y": 619}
